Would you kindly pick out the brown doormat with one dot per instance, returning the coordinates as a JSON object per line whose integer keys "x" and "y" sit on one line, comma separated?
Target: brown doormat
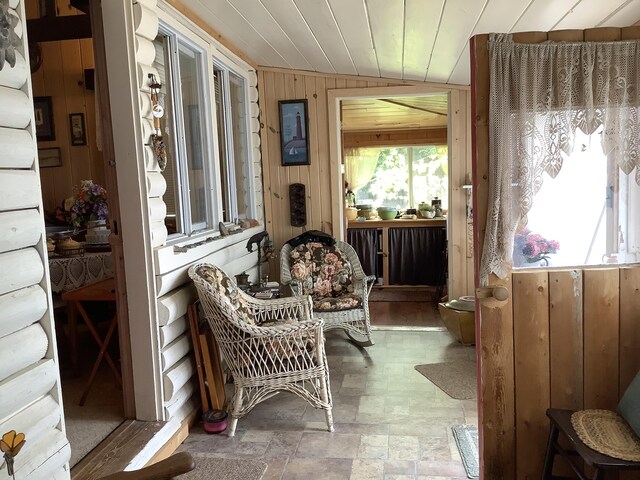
{"x": 456, "y": 378}
{"x": 210, "y": 467}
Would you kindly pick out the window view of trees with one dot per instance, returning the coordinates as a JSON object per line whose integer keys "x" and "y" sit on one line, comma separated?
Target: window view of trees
{"x": 405, "y": 176}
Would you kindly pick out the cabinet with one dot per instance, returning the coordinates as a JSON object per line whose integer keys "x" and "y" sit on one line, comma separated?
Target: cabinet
{"x": 401, "y": 252}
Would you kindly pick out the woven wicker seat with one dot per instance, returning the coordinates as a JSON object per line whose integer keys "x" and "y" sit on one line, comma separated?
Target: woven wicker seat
{"x": 334, "y": 278}
{"x": 269, "y": 345}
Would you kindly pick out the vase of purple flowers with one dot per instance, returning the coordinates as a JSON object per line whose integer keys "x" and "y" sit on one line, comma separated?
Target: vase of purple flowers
{"x": 531, "y": 248}
{"x": 89, "y": 203}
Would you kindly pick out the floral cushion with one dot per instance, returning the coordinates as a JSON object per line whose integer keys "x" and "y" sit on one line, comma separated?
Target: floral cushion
{"x": 343, "y": 302}
{"x": 228, "y": 290}
{"x": 323, "y": 270}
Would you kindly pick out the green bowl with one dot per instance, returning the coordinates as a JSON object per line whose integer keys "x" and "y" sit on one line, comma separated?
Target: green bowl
{"x": 387, "y": 214}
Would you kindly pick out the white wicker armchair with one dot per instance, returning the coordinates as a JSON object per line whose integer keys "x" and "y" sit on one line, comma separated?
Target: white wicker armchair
{"x": 269, "y": 345}
{"x": 338, "y": 286}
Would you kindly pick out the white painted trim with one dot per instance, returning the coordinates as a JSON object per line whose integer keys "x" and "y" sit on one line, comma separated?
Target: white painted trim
{"x": 131, "y": 176}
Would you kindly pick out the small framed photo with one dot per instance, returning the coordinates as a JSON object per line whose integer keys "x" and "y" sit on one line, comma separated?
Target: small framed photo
{"x": 76, "y": 127}
{"x": 43, "y": 114}
{"x": 294, "y": 132}
{"x": 49, "y": 157}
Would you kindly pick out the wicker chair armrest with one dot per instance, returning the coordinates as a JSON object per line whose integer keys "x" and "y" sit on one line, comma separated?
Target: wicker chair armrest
{"x": 298, "y": 307}
{"x": 365, "y": 284}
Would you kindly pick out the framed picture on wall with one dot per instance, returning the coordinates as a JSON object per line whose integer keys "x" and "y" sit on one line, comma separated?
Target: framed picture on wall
{"x": 49, "y": 157}
{"x": 43, "y": 114}
{"x": 77, "y": 130}
{"x": 294, "y": 132}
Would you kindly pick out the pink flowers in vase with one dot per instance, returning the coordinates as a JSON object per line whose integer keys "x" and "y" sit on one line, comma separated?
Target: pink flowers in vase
{"x": 533, "y": 247}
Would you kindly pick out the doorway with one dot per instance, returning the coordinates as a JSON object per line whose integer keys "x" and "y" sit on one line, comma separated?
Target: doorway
{"x": 70, "y": 148}
{"x": 408, "y": 124}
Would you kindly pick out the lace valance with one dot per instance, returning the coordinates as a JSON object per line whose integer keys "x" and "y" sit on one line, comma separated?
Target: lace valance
{"x": 539, "y": 95}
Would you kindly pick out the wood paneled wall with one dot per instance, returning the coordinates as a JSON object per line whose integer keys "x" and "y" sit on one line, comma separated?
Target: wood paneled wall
{"x": 61, "y": 76}
{"x": 275, "y": 85}
{"x": 565, "y": 338}
{"x": 575, "y": 344}
{"x": 278, "y": 84}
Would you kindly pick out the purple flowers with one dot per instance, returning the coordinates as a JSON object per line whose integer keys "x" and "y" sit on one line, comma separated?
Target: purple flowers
{"x": 533, "y": 247}
{"x": 89, "y": 203}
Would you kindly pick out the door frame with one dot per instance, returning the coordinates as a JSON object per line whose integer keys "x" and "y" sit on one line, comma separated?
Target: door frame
{"x": 460, "y": 266}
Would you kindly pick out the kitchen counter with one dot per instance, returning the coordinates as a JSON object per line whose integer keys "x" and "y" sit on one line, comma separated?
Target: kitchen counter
{"x": 420, "y": 222}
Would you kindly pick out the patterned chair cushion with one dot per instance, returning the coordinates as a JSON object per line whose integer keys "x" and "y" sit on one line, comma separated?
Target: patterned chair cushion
{"x": 326, "y": 274}
{"x": 228, "y": 290}
{"x": 335, "y": 304}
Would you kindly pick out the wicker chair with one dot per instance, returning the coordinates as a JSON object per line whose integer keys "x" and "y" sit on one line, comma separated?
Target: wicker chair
{"x": 269, "y": 345}
{"x": 334, "y": 278}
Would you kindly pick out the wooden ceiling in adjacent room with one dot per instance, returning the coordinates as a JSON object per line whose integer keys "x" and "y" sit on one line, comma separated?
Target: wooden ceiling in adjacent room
{"x": 366, "y": 114}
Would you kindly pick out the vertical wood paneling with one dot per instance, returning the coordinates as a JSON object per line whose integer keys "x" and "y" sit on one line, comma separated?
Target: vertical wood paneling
{"x": 601, "y": 338}
{"x": 593, "y": 329}
{"x": 629, "y": 326}
{"x": 532, "y": 379}
{"x": 566, "y": 337}
{"x": 61, "y": 77}
{"x": 280, "y": 85}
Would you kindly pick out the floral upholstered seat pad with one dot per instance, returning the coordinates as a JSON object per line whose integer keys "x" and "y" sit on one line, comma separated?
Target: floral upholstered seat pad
{"x": 323, "y": 270}
{"x": 228, "y": 290}
{"x": 343, "y": 302}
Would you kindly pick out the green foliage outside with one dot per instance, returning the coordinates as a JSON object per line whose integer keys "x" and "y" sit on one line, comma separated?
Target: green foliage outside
{"x": 389, "y": 185}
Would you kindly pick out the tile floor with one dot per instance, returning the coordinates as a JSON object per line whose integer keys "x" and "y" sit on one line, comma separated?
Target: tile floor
{"x": 391, "y": 423}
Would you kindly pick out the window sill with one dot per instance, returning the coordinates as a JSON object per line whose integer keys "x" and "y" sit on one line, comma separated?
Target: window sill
{"x": 167, "y": 258}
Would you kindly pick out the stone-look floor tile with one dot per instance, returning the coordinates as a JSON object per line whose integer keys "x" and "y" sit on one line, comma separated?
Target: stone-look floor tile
{"x": 367, "y": 469}
{"x": 256, "y": 436}
{"x": 390, "y": 422}
{"x": 442, "y": 469}
{"x": 374, "y": 446}
{"x": 275, "y": 468}
{"x": 404, "y": 447}
{"x": 435, "y": 449}
{"x": 322, "y": 445}
{"x": 399, "y": 467}
{"x": 311, "y": 468}
{"x": 283, "y": 444}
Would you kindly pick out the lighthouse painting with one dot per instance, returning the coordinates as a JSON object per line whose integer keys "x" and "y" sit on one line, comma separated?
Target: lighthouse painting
{"x": 294, "y": 132}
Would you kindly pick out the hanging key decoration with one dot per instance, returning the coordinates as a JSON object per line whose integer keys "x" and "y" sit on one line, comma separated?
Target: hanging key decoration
{"x": 157, "y": 143}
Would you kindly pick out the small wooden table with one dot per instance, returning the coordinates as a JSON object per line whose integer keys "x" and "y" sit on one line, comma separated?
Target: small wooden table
{"x": 96, "y": 292}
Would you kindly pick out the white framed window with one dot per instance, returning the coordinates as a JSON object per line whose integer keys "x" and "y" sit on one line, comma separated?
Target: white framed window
{"x": 209, "y": 175}
{"x": 232, "y": 121}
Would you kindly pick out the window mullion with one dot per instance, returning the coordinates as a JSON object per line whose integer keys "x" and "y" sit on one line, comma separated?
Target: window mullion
{"x": 228, "y": 126}
{"x": 410, "y": 166}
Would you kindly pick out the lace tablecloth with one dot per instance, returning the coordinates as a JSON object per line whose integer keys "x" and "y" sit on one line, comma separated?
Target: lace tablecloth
{"x": 68, "y": 273}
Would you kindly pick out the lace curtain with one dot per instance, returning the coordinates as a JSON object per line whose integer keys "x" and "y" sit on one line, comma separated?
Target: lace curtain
{"x": 539, "y": 95}
{"x": 360, "y": 165}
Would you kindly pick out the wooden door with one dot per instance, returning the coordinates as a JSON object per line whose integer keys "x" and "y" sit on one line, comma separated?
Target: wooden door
{"x": 564, "y": 338}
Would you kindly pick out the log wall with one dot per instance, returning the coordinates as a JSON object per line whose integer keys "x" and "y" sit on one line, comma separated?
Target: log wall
{"x": 29, "y": 372}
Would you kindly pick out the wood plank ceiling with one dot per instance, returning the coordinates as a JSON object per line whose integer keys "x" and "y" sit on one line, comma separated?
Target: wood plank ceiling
{"x": 423, "y": 40}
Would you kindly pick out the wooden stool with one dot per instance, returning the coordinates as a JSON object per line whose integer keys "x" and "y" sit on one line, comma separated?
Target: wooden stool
{"x": 100, "y": 291}
{"x": 561, "y": 422}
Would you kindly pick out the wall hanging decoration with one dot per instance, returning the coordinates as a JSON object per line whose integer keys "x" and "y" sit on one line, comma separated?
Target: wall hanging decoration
{"x": 294, "y": 132}
{"x": 77, "y": 130}
{"x": 157, "y": 143}
{"x": 9, "y": 40}
{"x": 49, "y": 157}
{"x": 43, "y": 114}
{"x": 297, "y": 205}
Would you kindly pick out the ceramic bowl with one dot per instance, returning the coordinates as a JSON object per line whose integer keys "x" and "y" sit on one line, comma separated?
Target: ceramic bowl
{"x": 351, "y": 213}
{"x": 387, "y": 214}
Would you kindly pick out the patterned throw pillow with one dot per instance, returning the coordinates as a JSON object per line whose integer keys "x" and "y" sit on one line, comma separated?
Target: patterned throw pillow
{"x": 228, "y": 290}
{"x": 325, "y": 272}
